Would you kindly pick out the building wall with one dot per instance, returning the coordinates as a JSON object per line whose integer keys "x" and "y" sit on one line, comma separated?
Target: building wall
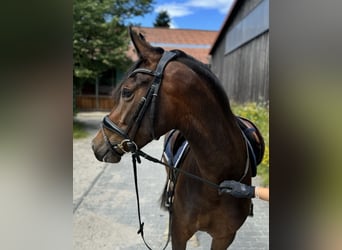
{"x": 244, "y": 71}
{"x": 246, "y": 7}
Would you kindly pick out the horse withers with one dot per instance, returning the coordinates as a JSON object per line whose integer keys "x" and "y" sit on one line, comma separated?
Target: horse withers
{"x": 171, "y": 90}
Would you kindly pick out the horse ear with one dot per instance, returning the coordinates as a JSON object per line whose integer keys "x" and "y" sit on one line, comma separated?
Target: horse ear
{"x": 142, "y": 47}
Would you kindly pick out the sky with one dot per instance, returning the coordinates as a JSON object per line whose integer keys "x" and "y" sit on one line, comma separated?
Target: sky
{"x": 189, "y": 14}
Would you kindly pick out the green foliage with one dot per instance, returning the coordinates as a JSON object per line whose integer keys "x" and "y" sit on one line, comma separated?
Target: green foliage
{"x": 100, "y": 39}
{"x": 79, "y": 130}
{"x": 259, "y": 115}
{"x": 162, "y": 20}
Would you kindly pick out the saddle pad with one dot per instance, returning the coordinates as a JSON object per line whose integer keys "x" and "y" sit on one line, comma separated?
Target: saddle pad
{"x": 175, "y": 148}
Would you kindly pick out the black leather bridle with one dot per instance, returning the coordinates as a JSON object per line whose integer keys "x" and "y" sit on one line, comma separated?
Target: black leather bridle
{"x": 149, "y": 100}
{"x": 127, "y": 144}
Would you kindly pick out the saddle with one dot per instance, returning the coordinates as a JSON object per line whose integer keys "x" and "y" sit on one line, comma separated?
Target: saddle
{"x": 176, "y": 146}
{"x": 254, "y": 140}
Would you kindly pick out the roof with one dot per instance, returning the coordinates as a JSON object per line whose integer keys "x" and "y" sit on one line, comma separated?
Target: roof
{"x": 228, "y": 19}
{"x": 196, "y": 43}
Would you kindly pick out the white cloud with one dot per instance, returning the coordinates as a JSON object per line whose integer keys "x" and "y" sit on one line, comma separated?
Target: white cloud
{"x": 186, "y": 8}
{"x": 174, "y": 9}
{"x": 173, "y": 25}
{"x": 221, "y": 5}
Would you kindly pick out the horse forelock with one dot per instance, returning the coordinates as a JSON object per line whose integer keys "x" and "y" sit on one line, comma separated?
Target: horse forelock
{"x": 117, "y": 90}
{"x": 136, "y": 64}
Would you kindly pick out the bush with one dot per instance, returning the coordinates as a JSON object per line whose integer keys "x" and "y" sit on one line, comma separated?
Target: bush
{"x": 259, "y": 115}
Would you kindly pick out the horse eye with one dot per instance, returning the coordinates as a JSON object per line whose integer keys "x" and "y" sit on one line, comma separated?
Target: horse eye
{"x": 126, "y": 92}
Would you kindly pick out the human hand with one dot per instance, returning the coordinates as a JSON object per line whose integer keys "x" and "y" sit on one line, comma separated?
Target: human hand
{"x": 237, "y": 189}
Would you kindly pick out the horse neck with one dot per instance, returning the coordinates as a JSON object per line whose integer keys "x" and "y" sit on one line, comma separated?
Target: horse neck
{"x": 214, "y": 137}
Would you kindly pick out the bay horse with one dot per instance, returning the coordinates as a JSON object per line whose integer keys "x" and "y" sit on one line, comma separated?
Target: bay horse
{"x": 167, "y": 90}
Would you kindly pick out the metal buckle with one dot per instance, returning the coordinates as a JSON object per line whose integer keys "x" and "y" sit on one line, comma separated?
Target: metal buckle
{"x": 128, "y": 146}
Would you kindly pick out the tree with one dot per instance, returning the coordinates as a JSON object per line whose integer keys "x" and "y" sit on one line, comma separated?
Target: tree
{"x": 100, "y": 39}
{"x": 162, "y": 20}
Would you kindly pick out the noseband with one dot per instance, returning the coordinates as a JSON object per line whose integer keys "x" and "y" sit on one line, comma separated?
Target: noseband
{"x": 128, "y": 144}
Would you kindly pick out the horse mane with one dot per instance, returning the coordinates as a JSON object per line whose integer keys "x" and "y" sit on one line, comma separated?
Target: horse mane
{"x": 211, "y": 80}
{"x": 200, "y": 68}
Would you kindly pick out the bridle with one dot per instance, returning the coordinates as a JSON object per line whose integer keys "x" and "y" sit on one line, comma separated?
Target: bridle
{"x": 149, "y": 100}
{"x": 128, "y": 144}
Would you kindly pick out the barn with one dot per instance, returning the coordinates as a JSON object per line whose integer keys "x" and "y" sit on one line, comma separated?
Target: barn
{"x": 240, "y": 53}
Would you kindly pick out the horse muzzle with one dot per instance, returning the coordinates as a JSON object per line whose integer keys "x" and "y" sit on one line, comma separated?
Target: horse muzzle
{"x": 107, "y": 151}
{"x": 104, "y": 153}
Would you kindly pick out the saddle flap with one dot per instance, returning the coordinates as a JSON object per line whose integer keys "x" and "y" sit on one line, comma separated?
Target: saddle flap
{"x": 176, "y": 147}
{"x": 255, "y": 141}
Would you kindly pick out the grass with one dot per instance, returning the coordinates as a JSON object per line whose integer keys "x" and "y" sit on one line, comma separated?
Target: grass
{"x": 79, "y": 130}
{"x": 259, "y": 115}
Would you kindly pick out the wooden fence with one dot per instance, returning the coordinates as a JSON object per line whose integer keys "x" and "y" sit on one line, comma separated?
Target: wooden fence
{"x": 88, "y": 103}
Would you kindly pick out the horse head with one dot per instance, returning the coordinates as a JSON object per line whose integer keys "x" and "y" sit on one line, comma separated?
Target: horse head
{"x": 140, "y": 103}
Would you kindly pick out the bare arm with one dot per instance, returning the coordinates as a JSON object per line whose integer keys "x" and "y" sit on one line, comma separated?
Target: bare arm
{"x": 241, "y": 190}
{"x": 262, "y": 193}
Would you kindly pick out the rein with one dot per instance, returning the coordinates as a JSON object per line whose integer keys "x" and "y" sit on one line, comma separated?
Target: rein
{"x": 127, "y": 145}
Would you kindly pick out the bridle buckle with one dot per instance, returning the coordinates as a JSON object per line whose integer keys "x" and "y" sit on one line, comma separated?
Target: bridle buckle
{"x": 128, "y": 146}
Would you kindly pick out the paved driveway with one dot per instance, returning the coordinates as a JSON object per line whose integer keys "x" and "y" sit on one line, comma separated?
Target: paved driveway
{"x": 105, "y": 213}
